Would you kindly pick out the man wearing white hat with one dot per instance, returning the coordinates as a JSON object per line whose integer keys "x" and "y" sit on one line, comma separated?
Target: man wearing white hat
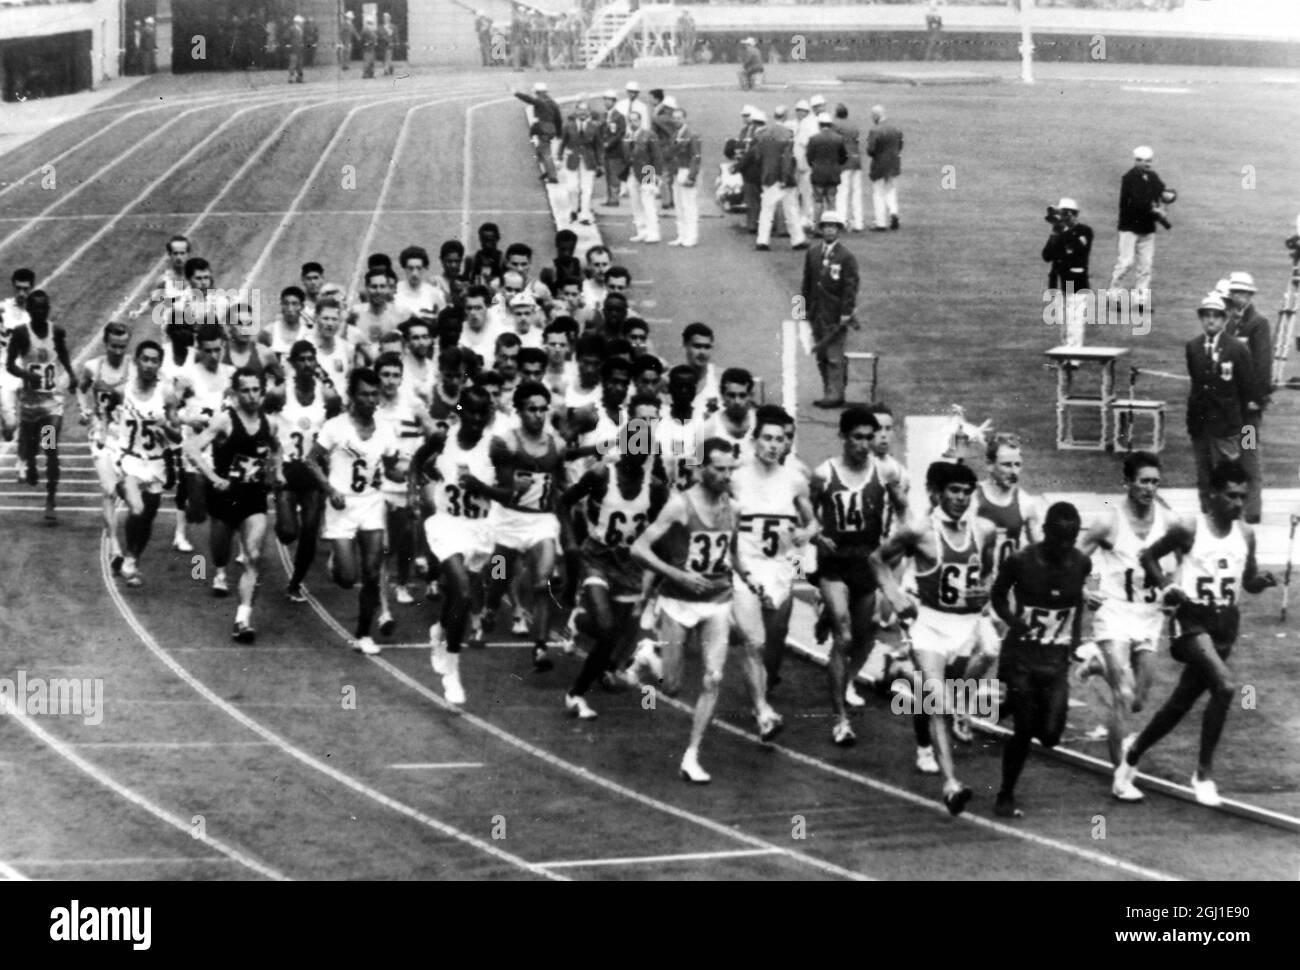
{"x": 751, "y": 63}
{"x": 580, "y": 147}
{"x": 830, "y": 299}
{"x": 633, "y": 101}
{"x": 149, "y": 45}
{"x": 1222, "y": 382}
{"x": 1251, "y": 329}
{"x": 1140, "y": 191}
{"x": 347, "y": 37}
{"x": 1067, "y": 250}
{"x": 684, "y": 166}
{"x": 296, "y": 42}
{"x": 773, "y": 150}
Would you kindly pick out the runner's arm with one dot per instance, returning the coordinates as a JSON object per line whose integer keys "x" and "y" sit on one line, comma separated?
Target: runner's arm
{"x": 197, "y": 445}
{"x": 1252, "y": 580}
{"x": 1178, "y": 539}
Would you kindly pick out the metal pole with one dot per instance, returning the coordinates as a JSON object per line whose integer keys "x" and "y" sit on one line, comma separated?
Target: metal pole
{"x": 1026, "y": 42}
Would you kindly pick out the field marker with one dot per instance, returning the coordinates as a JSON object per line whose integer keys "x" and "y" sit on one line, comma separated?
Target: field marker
{"x": 648, "y": 859}
{"x": 433, "y": 766}
{"x": 171, "y": 745}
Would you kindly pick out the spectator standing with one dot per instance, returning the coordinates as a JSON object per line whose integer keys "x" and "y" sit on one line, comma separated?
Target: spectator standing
{"x": 1140, "y": 191}
{"x": 850, "y": 197}
{"x": 885, "y": 147}
{"x": 1251, "y": 330}
{"x": 1222, "y": 384}
{"x": 827, "y": 157}
{"x": 296, "y": 46}
{"x": 613, "y": 128}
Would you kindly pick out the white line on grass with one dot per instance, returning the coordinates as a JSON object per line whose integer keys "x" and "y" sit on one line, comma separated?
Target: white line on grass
{"x": 648, "y": 859}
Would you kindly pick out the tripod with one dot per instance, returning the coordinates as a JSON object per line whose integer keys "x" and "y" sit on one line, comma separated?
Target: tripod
{"x": 1285, "y": 329}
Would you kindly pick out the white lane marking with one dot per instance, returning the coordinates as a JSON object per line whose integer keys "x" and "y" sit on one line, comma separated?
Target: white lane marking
{"x": 66, "y": 752}
{"x": 127, "y": 861}
{"x": 436, "y": 766}
{"x": 649, "y": 859}
{"x": 1154, "y": 90}
{"x": 573, "y": 769}
{"x": 467, "y": 167}
{"x": 9, "y": 873}
{"x": 254, "y": 213}
{"x": 292, "y": 750}
{"x": 171, "y": 745}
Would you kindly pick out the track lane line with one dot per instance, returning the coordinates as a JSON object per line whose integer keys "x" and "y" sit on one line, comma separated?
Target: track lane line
{"x": 291, "y": 750}
{"x": 10, "y": 874}
{"x": 65, "y": 751}
{"x": 555, "y": 761}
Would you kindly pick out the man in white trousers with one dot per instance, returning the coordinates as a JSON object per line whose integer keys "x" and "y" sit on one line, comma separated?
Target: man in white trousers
{"x": 850, "y": 195}
{"x": 581, "y": 150}
{"x": 805, "y": 128}
{"x": 772, "y": 149}
{"x": 645, "y": 165}
{"x": 885, "y": 146}
{"x": 684, "y": 164}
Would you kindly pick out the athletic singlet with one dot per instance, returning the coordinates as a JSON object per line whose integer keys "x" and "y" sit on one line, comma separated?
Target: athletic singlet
{"x": 1210, "y": 574}
{"x": 1008, "y": 519}
{"x": 445, "y": 470}
{"x": 419, "y": 376}
{"x": 140, "y": 423}
{"x": 106, "y": 385}
{"x": 400, "y": 417}
{"x": 617, "y": 522}
{"x": 41, "y": 359}
{"x": 742, "y": 445}
{"x": 241, "y": 456}
{"x": 254, "y": 361}
{"x": 1121, "y": 575}
{"x": 336, "y": 363}
{"x": 765, "y": 503}
{"x": 1047, "y": 595}
{"x": 606, "y": 429}
{"x": 852, "y": 515}
{"x": 356, "y": 465}
{"x": 945, "y": 584}
{"x": 678, "y": 443}
{"x": 445, "y": 413}
{"x": 297, "y": 424}
{"x": 701, "y": 548}
{"x": 532, "y": 479}
{"x": 282, "y": 340}
{"x": 209, "y": 389}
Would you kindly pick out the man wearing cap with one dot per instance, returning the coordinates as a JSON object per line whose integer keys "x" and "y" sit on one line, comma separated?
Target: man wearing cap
{"x": 686, "y": 37}
{"x": 645, "y": 164}
{"x": 1251, "y": 330}
{"x": 885, "y": 146}
{"x": 1140, "y": 191}
{"x": 369, "y": 46}
{"x": 548, "y": 120}
{"x": 684, "y": 165}
{"x": 737, "y": 150}
{"x": 581, "y": 149}
{"x": 1223, "y": 380}
{"x": 751, "y": 63}
{"x": 632, "y": 102}
{"x": 149, "y": 45}
{"x": 613, "y": 129}
{"x": 830, "y": 297}
{"x": 827, "y": 156}
{"x": 296, "y": 49}
{"x": 347, "y": 37}
{"x": 773, "y": 151}
{"x": 805, "y": 127}
{"x": 1067, "y": 250}
{"x": 483, "y": 27}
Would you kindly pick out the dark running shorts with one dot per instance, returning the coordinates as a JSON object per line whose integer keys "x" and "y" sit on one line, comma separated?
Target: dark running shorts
{"x": 1193, "y": 619}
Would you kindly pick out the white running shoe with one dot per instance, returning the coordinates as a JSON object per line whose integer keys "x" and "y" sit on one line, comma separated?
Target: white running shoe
{"x": 925, "y": 761}
{"x": 852, "y": 697}
{"x": 131, "y": 572}
{"x": 181, "y": 544}
{"x": 520, "y": 627}
{"x": 220, "y": 585}
{"x": 438, "y": 653}
{"x": 691, "y": 770}
{"x": 386, "y": 624}
{"x": 474, "y": 635}
{"x": 842, "y": 734}
{"x": 579, "y": 706}
{"x": 366, "y": 646}
{"x": 1206, "y": 791}
{"x": 403, "y": 595}
{"x": 453, "y": 691}
{"x": 961, "y": 728}
{"x": 647, "y": 656}
{"x": 1122, "y": 786}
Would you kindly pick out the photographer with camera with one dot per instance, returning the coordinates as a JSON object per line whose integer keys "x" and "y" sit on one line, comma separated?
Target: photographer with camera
{"x": 1142, "y": 198}
{"x": 1068, "y": 249}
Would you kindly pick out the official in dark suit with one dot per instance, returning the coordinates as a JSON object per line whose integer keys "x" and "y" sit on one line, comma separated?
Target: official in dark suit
{"x": 1067, "y": 250}
{"x": 827, "y": 156}
{"x": 645, "y": 166}
{"x": 772, "y": 152}
{"x": 1252, "y": 331}
{"x": 613, "y": 128}
{"x": 885, "y": 146}
{"x": 548, "y": 121}
{"x": 582, "y": 150}
{"x": 830, "y": 297}
{"x": 1222, "y": 383}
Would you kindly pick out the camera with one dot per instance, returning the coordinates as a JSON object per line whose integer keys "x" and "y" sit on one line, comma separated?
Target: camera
{"x": 1053, "y": 215}
{"x": 1167, "y": 197}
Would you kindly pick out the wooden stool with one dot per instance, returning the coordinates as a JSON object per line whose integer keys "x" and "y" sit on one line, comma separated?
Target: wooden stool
{"x": 1126, "y": 412}
{"x": 853, "y": 356}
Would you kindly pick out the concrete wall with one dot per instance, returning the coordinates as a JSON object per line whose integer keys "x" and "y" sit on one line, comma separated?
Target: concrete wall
{"x": 101, "y": 17}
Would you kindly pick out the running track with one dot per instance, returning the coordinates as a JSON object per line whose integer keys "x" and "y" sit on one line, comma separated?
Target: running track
{"x": 220, "y": 761}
